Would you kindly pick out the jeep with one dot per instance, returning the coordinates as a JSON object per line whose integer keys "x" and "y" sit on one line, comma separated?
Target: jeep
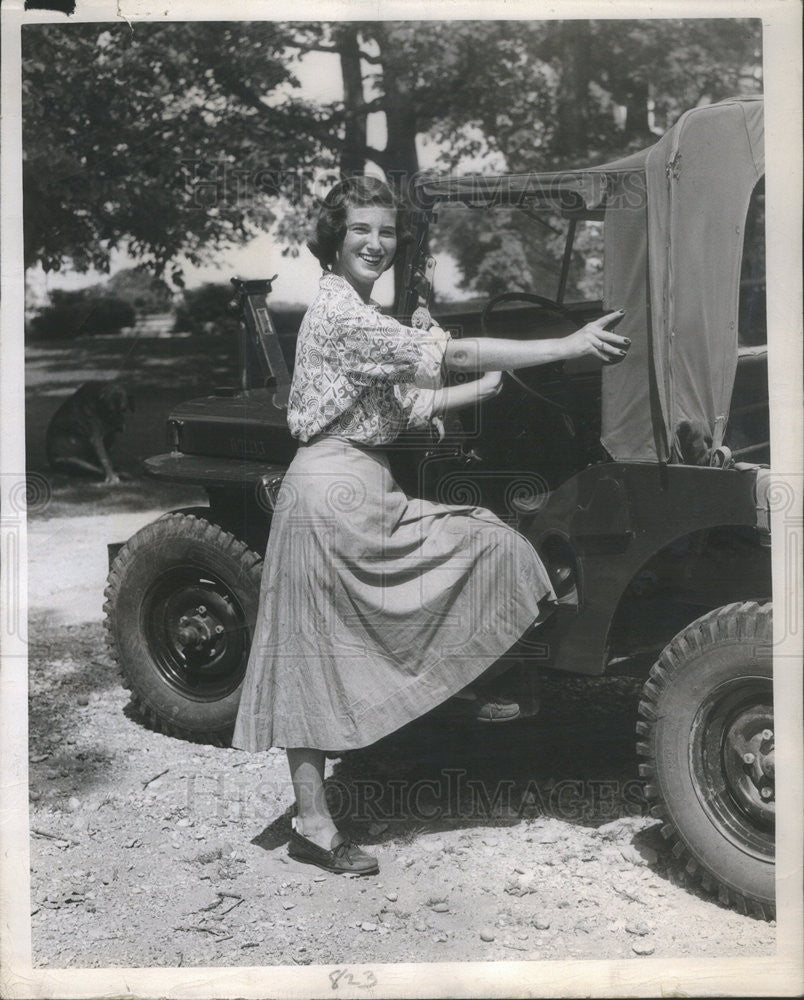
{"x": 644, "y": 485}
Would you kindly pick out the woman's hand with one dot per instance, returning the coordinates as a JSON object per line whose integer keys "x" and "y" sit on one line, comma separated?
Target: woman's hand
{"x": 489, "y": 385}
{"x": 596, "y": 341}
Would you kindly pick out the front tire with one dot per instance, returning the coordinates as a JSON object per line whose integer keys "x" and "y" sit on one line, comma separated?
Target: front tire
{"x": 181, "y": 603}
{"x": 708, "y": 753}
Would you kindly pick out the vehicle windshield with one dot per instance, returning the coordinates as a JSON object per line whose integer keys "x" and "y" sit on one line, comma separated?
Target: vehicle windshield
{"x": 481, "y": 253}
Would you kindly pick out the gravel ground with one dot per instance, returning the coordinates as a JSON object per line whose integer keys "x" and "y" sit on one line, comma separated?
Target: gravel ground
{"x": 528, "y": 841}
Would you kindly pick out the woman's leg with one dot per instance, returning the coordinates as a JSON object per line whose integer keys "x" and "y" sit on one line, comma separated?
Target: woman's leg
{"x": 307, "y": 774}
{"x": 330, "y": 849}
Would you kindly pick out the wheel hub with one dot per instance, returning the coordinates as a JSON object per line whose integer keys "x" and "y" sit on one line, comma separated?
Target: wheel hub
{"x": 732, "y": 762}
{"x": 197, "y": 632}
{"x": 749, "y": 751}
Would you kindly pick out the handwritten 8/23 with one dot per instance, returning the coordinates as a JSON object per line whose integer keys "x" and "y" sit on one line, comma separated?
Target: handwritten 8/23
{"x": 363, "y": 980}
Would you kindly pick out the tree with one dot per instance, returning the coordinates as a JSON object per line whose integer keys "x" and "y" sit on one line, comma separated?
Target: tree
{"x": 586, "y": 92}
{"x": 165, "y": 139}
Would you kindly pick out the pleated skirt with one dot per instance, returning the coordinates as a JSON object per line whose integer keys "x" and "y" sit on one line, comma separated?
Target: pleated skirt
{"x": 375, "y": 607}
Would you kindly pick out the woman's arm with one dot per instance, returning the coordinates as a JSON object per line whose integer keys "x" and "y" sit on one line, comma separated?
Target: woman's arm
{"x": 455, "y": 396}
{"x": 490, "y": 353}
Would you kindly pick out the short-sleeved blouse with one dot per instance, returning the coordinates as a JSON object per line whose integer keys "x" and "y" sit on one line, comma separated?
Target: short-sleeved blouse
{"x": 359, "y": 374}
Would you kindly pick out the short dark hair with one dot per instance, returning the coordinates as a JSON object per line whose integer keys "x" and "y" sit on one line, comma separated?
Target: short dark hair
{"x": 359, "y": 192}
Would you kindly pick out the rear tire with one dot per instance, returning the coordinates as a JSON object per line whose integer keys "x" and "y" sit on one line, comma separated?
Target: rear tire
{"x": 708, "y": 753}
{"x": 181, "y": 603}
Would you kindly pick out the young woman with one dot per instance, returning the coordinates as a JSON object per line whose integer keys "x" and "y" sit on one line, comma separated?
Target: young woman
{"x": 375, "y": 607}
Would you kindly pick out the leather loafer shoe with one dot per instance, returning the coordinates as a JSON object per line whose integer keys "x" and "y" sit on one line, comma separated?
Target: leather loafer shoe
{"x": 343, "y": 857}
{"x": 484, "y": 707}
{"x": 496, "y": 708}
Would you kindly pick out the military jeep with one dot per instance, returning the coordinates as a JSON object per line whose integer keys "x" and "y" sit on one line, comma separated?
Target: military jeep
{"x": 644, "y": 485}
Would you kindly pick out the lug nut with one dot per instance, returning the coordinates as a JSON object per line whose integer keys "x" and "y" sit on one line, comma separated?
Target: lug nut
{"x": 767, "y": 734}
{"x": 765, "y": 793}
{"x": 219, "y": 629}
{"x": 201, "y": 609}
{"x": 748, "y": 758}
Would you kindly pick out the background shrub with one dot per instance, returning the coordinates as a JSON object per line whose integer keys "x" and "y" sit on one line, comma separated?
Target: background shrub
{"x": 141, "y": 290}
{"x": 87, "y": 311}
{"x": 210, "y": 308}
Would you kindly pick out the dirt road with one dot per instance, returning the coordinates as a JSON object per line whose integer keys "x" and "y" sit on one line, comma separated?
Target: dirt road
{"x": 525, "y": 842}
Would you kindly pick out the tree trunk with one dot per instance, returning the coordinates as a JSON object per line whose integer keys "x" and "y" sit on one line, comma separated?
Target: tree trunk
{"x": 400, "y": 159}
{"x": 573, "y": 55}
{"x": 352, "y": 158}
{"x": 636, "y": 116}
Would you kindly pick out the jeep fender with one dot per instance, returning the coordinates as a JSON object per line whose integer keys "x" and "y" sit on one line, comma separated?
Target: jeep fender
{"x": 612, "y": 519}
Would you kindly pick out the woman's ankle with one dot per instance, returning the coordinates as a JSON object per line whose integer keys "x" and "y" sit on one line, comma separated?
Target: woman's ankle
{"x": 319, "y": 829}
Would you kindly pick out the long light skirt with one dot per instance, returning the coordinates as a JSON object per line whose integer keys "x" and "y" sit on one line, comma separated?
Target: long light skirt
{"x": 374, "y": 607}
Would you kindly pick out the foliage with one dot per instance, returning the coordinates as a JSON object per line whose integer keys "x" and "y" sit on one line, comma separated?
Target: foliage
{"x": 180, "y": 138}
{"x": 88, "y": 311}
{"x": 165, "y": 139}
{"x": 210, "y": 307}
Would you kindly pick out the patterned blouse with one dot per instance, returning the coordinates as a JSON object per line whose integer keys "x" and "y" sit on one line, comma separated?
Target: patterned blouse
{"x": 359, "y": 374}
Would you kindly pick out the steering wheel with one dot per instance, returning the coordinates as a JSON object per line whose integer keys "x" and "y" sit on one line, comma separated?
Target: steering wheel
{"x": 549, "y": 305}
{"x": 537, "y": 300}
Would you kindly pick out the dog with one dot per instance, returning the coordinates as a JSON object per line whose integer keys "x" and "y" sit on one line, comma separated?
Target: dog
{"x": 81, "y": 431}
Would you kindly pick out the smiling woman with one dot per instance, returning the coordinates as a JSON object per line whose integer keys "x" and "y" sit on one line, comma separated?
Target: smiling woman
{"x": 368, "y": 248}
{"x": 376, "y": 607}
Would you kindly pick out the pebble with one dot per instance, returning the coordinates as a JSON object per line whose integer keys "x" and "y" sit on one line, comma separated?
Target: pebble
{"x": 441, "y": 907}
{"x": 368, "y": 926}
{"x": 73, "y": 804}
{"x": 320, "y": 878}
{"x": 82, "y": 700}
{"x": 184, "y": 822}
{"x": 486, "y": 935}
{"x": 287, "y": 906}
{"x": 638, "y": 928}
{"x": 642, "y": 948}
{"x": 392, "y": 897}
{"x": 420, "y": 926}
{"x": 541, "y": 924}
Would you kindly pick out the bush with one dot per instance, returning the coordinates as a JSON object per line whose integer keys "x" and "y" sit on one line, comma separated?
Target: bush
{"x": 207, "y": 309}
{"x": 87, "y": 311}
{"x": 141, "y": 290}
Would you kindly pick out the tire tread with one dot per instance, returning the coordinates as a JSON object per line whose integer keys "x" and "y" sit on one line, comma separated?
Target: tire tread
{"x": 179, "y": 525}
{"x": 738, "y": 621}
